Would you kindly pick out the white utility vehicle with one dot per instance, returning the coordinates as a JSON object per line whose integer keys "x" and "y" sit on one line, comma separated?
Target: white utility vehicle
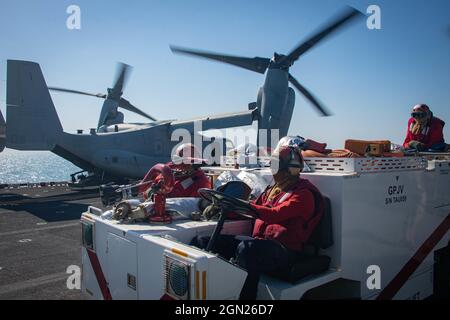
{"x": 388, "y": 219}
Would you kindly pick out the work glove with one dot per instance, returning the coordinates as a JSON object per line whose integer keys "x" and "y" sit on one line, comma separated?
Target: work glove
{"x": 211, "y": 211}
{"x": 419, "y": 146}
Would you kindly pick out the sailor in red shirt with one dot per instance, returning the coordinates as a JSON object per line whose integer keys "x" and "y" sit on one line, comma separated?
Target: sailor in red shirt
{"x": 290, "y": 210}
{"x": 288, "y": 213}
{"x": 188, "y": 175}
{"x": 424, "y": 130}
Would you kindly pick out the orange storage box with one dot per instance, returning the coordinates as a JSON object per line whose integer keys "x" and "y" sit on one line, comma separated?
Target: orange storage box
{"x": 367, "y": 147}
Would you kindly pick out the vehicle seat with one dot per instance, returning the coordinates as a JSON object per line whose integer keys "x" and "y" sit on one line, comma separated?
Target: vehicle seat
{"x": 309, "y": 262}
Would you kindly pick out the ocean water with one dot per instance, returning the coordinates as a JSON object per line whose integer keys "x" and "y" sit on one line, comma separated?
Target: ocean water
{"x": 33, "y": 166}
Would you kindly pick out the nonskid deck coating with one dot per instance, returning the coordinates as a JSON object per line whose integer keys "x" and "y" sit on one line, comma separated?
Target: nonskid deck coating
{"x": 39, "y": 238}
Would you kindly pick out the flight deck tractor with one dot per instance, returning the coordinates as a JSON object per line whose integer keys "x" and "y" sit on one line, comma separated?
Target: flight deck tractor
{"x": 384, "y": 235}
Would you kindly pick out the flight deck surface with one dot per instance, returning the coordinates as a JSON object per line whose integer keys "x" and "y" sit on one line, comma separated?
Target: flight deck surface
{"x": 39, "y": 239}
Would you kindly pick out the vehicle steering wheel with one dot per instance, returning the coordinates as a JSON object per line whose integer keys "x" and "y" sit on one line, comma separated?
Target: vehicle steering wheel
{"x": 229, "y": 203}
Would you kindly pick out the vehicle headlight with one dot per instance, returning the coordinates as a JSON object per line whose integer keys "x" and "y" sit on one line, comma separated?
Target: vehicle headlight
{"x": 177, "y": 276}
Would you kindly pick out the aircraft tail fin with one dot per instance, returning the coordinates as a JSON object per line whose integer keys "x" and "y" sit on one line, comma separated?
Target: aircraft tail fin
{"x": 32, "y": 121}
{"x": 2, "y": 132}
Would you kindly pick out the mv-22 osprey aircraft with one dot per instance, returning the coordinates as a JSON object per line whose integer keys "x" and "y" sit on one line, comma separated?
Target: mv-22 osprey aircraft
{"x": 117, "y": 149}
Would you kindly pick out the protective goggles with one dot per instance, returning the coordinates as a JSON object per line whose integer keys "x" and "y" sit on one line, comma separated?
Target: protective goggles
{"x": 418, "y": 115}
{"x": 295, "y": 142}
{"x": 276, "y": 163}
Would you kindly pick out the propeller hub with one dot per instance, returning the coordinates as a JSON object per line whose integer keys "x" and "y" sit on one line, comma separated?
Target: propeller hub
{"x": 114, "y": 95}
{"x": 279, "y": 61}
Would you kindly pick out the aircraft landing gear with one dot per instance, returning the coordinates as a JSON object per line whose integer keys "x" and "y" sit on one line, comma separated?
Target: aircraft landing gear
{"x": 84, "y": 180}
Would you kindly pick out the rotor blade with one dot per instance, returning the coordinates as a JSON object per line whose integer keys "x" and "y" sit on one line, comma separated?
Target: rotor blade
{"x": 309, "y": 96}
{"x": 123, "y": 71}
{"x": 255, "y": 64}
{"x": 98, "y": 95}
{"x": 125, "y": 104}
{"x": 348, "y": 15}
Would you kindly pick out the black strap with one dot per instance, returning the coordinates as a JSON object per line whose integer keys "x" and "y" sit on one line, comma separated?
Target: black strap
{"x": 263, "y": 193}
{"x": 317, "y": 200}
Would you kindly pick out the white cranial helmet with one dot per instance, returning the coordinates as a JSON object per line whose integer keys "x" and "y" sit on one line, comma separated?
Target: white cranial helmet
{"x": 291, "y": 141}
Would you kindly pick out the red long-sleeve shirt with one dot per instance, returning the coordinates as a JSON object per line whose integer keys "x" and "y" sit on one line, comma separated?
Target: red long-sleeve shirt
{"x": 188, "y": 186}
{"x": 184, "y": 187}
{"x": 291, "y": 216}
{"x": 431, "y": 134}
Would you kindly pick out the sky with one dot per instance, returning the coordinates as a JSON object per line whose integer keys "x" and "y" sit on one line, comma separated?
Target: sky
{"x": 369, "y": 79}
